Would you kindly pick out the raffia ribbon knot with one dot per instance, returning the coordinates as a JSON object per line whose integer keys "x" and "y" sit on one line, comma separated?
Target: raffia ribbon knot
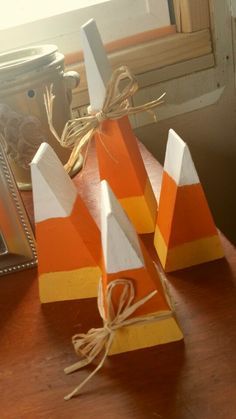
{"x": 78, "y": 132}
{"x": 92, "y": 343}
{"x": 101, "y": 116}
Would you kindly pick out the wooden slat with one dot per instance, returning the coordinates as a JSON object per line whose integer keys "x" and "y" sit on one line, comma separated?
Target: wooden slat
{"x": 152, "y": 77}
{"x": 191, "y": 15}
{"x": 119, "y": 44}
{"x": 175, "y": 70}
{"x": 157, "y": 54}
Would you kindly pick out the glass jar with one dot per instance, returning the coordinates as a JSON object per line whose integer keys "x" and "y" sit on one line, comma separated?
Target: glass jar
{"x": 24, "y": 75}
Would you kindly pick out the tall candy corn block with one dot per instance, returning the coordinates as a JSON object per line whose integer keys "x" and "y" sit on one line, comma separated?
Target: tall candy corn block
{"x": 68, "y": 240}
{"x": 185, "y": 233}
{"x": 120, "y": 161}
{"x": 126, "y": 258}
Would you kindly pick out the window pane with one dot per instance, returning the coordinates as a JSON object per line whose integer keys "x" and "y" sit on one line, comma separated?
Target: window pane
{"x": 57, "y": 23}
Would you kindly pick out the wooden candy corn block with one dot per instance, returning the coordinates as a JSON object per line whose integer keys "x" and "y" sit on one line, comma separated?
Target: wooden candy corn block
{"x": 68, "y": 240}
{"x": 185, "y": 233}
{"x": 120, "y": 161}
{"x": 125, "y": 257}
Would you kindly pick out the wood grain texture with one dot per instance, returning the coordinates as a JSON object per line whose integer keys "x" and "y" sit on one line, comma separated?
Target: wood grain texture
{"x": 191, "y": 15}
{"x": 191, "y": 380}
{"x": 119, "y": 44}
{"x": 156, "y": 54}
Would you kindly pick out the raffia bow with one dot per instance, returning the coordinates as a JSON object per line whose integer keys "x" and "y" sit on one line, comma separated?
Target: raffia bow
{"x": 78, "y": 132}
{"x": 92, "y": 343}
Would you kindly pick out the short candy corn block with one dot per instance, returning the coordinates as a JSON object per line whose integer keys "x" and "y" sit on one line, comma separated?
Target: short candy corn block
{"x": 68, "y": 239}
{"x": 125, "y": 257}
{"x": 185, "y": 233}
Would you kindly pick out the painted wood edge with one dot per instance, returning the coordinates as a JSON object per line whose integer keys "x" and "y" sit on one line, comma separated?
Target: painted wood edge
{"x": 120, "y": 243}
{"x": 178, "y": 161}
{"x": 97, "y": 66}
{"x": 54, "y": 193}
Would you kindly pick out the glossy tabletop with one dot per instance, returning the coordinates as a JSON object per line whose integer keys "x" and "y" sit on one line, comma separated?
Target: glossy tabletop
{"x": 192, "y": 379}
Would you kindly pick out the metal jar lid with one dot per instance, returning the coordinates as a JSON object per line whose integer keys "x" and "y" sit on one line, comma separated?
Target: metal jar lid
{"x": 17, "y": 62}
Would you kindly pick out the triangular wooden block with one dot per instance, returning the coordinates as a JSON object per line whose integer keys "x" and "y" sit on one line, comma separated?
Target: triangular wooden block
{"x": 125, "y": 257}
{"x": 185, "y": 234}
{"x": 120, "y": 161}
{"x": 68, "y": 239}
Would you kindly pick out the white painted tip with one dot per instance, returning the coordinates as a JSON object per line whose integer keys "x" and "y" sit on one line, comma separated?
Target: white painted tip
{"x": 120, "y": 242}
{"x": 98, "y": 69}
{"x": 178, "y": 161}
{"x": 54, "y": 193}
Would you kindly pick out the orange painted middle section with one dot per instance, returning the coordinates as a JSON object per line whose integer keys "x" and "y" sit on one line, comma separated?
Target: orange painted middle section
{"x": 183, "y": 214}
{"x": 120, "y": 161}
{"x": 145, "y": 280}
{"x": 68, "y": 243}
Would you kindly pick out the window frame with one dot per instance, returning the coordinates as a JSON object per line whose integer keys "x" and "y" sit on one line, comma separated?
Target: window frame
{"x": 165, "y": 54}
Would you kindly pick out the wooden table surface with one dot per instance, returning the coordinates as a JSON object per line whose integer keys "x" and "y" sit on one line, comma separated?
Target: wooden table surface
{"x": 195, "y": 378}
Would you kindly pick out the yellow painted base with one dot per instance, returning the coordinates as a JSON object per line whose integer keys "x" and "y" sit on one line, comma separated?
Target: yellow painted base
{"x": 69, "y": 285}
{"x": 187, "y": 254}
{"x": 145, "y": 335}
{"x": 142, "y": 210}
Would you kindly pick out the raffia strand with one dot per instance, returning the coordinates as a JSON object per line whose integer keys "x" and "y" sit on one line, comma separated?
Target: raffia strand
{"x": 78, "y": 132}
{"x": 91, "y": 344}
